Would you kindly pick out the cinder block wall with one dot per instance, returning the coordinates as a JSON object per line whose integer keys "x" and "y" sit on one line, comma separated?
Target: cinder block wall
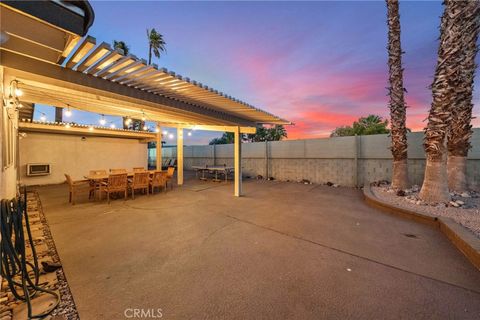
{"x": 347, "y": 161}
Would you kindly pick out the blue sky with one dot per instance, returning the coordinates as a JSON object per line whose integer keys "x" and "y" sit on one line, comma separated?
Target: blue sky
{"x": 319, "y": 64}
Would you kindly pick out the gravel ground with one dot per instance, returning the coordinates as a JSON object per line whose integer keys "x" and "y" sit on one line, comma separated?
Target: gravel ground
{"x": 66, "y": 309}
{"x": 463, "y": 209}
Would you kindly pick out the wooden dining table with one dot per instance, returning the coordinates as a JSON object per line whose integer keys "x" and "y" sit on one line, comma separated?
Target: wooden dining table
{"x": 99, "y": 177}
{"x": 103, "y": 177}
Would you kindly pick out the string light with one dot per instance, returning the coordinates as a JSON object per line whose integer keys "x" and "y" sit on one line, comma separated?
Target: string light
{"x": 67, "y": 125}
{"x": 112, "y": 125}
{"x": 102, "y": 120}
{"x": 128, "y": 121}
{"x": 90, "y": 128}
{"x": 145, "y": 128}
{"x": 170, "y": 136}
{"x": 157, "y": 130}
{"x": 165, "y": 132}
{"x": 143, "y": 116}
{"x": 43, "y": 117}
{"x": 189, "y": 133}
{"x": 68, "y": 112}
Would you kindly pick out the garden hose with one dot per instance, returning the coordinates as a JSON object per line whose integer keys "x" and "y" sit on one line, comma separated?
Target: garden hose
{"x": 13, "y": 255}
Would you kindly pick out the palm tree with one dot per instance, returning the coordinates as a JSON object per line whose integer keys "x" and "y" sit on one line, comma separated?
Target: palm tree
{"x": 121, "y": 45}
{"x": 156, "y": 44}
{"x": 397, "y": 102}
{"x": 461, "y": 129}
{"x": 445, "y": 82}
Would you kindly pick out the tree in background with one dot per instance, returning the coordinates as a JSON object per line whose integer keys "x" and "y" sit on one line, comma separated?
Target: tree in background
{"x": 275, "y": 133}
{"x": 226, "y": 138}
{"x": 121, "y": 45}
{"x": 156, "y": 44}
{"x": 461, "y": 129}
{"x": 445, "y": 82}
{"x": 129, "y": 124}
{"x": 372, "y": 124}
{"x": 398, "y": 111}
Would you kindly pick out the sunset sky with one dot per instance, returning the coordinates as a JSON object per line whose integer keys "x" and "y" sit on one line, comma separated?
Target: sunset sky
{"x": 317, "y": 64}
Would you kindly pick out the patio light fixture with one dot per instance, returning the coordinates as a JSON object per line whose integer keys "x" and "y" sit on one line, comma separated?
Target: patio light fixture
{"x": 189, "y": 133}
{"x": 43, "y": 117}
{"x": 67, "y": 125}
{"x": 90, "y": 128}
{"x": 112, "y": 125}
{"x": 102, "y": 120}
{"x": 157, "y": 130}
{"x": 165, "y": 132}
{"x": 145, "y": 127}
{"x": 68, "y": 112}
{"x": 170, "y": 136}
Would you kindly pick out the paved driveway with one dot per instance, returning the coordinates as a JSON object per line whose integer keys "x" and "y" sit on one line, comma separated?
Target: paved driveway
{"x": 284, "y": 251}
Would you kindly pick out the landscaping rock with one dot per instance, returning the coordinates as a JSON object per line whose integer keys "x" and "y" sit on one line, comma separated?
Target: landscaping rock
{"x": 463, "y": 210}
{"x": 401, "y": 193}
{"x": 454, "y": 204}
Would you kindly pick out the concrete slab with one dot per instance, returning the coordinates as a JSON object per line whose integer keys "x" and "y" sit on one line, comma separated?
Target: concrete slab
{"x": 284, "y": 251}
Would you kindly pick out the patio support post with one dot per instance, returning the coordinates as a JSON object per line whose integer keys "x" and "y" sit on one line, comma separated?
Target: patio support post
{"x": 238, "y": 162}
{"x": 159, "y": 148}
{"x": 180, "y": 156}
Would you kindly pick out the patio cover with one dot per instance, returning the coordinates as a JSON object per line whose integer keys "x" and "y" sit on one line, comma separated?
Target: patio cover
{"x": 57, "y": 67}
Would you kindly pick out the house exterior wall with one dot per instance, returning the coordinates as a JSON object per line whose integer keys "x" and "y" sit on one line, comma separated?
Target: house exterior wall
{"x": 8, "y": 142}
{"x": 348, "y": 161}
{"x": 75, "y": 155}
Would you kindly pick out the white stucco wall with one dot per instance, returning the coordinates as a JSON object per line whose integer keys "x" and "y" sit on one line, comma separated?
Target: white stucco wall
{"x": 72, "y": 155}
{"x": 8, "y": 174}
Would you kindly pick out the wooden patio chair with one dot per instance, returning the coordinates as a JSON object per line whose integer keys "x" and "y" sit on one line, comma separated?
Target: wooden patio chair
{"x": 140, "y": 181}
{"x": 96, "y": 184}
{"x": 159, "y": 179}
{"x": 115, "y": 171}
{"x": 75, "y": 186}
{"x": 138, "y": 169}
{"x": 170, "y": 172}
{"x": 116, "y": 183}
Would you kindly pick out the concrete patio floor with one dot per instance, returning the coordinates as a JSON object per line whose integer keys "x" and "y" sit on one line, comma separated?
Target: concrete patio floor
{"x": 284, "y": 251}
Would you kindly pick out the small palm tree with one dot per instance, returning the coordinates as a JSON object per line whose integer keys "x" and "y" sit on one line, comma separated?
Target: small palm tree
{"x": 121, "y": 45}
{"x": 398, "y": 111}
{"x": 156, "y": 44}
{"x": 445, "y": 83}
{"x": 461, "y": 128}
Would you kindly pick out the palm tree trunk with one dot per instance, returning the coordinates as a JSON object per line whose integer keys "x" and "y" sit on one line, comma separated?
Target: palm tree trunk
{"x": 397, "y": 102}
{"x": 58, "y": 114}
{"x": 457, "y": 173}
{"x": 435, "y": 183}
{"x": 461, "y": 128}
{"x": 150, "y": 54}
